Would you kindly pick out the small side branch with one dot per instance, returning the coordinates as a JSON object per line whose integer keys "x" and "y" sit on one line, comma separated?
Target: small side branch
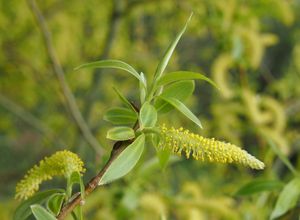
{"x": 93, "y": 183}
{"x": 59, "y": 73}
{"x": 118, "y": 148}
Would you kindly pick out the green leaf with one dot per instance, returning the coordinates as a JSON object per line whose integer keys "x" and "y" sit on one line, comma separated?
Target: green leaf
{"x": 287, "y": 198}
{"x": 115, "y": 64}
{"x": 164, "y": 62}
{"x": 125, "y": 162}
{"x": 282, "y": 157}
{"x": 180, "y": 90}
{"x": 120, "y": 133}
{"x": 183, "y": 75}
{"x": 40, "y": 213}
{"x": 123, "y": 99}
{"x": 148, "y": 115}
{"x": 23, "y": 211}
{"x": 183, "y": 109}
{"x": 259, "y": 186}
{"x": 55, "y": 202}
{"x": 120, "y": 116}
{"x": 143, "y": 88}
{"x": 76, "y": 178}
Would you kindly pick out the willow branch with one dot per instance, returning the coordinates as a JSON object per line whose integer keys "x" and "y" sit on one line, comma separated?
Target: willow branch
{"x": 59, "y": 73}
{"x": 118, "y": 148}
{"x": 93, "y": 183}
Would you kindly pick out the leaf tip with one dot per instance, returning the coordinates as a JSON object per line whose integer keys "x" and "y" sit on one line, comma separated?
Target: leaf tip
{"x": 77, "y": 68}
{"x": 190, "y": 17}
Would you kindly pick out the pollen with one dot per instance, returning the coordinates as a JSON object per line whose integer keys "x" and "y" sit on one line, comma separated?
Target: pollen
{"x": 62, "y": 163}
{"x": 205, "y": 149}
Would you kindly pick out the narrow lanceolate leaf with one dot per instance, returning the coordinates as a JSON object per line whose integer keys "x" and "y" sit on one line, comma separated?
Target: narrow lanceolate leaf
{"x": 148, "y": 115}
{"x": 41, "y": 213}
{"x": 120, "y": 133}
{"x": 123, "y": 99}
{"x": 183, "y": 75}
{"x": 257, "y": 186}
{"x": 283, "y": 157}
{"x": 287, "y": 199}
{"x": 183, "y": 109}
{"x": 55, "y": 202}
{"x": 181, "y": 90}
{"x": 120, "y": 116}
{"x": 164, "y": 62}
{"x": 125, "y": 162}
{"x": 23, "y": 211}
{"x": 115, "y": 64}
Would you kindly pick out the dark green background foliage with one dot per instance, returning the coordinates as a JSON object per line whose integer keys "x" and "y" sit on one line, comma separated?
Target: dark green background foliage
{"x": 251, "y": 49}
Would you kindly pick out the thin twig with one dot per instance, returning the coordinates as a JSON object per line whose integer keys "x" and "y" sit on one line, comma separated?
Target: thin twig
{"x": 70, "y": 100}
{"x": 118, "y": 148}
{"x": 93, "y": 183}
{"x": 28, "y": 118}
{"x": 23, "y": 114}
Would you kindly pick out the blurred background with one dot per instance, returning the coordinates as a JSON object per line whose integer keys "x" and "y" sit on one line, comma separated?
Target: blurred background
{"x": 251, "y": 49}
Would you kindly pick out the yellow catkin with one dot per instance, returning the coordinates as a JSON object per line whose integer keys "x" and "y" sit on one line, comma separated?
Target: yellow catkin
{"x": 180, "y": 141}
{"x": 62, "y": 163}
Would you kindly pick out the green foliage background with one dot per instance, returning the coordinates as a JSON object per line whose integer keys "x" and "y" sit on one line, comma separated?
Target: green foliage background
{"x": 250, "y": 48}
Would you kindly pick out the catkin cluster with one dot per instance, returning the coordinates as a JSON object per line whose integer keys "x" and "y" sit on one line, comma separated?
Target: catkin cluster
{"x": 62, "y": 163}
{"x": 204, "y": 149}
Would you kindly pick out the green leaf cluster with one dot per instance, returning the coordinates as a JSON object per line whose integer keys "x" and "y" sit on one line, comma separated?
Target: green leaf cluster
{"x": 134, "y": 122}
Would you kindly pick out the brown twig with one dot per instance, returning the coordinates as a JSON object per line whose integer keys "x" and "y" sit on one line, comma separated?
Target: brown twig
{"x": 93, "y": 183}
{"x": 70, "y": 100}
{"x": 118, "y": 148}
